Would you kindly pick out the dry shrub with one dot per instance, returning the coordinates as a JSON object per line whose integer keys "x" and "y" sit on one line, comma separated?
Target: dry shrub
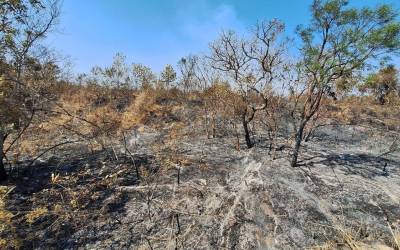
{"x": 78, "y": 96}
{"x": 171, "y": 96}
{"x": 167, "y": 151}
{"x": 79, "y": 115}
{"x": 105, "y": 119}
{"x": 138, "y": 111}
{"x": 152, "y": 107}
{"x": 222, "y": 106}
{"x": 144, "y": 101}
{"x": 362, "y": 111}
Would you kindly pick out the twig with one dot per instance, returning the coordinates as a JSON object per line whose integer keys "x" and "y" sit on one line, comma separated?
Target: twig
{"x": 21, "y": 132}
{"x": 52, "y": 147}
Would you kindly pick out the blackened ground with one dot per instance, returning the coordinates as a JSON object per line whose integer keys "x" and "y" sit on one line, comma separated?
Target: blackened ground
{"x": 344, "y": 194}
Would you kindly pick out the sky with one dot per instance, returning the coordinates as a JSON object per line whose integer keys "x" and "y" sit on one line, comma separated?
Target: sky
{"x": 160, "y": 32}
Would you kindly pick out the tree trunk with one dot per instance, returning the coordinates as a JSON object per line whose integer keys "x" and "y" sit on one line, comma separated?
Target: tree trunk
{"x": 214, "y": 129}
{"x": 3, "y": 173}
{"x": 206, "y": 123}
{"x": 382, "y": 100}
{"x": 249, "y": 144}
{"x": 237, "y": 137}
{"x": 308, "y": 135}
{"x": 298, "y": 138}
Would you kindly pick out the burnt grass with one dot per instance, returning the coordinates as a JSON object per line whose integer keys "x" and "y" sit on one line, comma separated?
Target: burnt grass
{"x": 225, "y": 199}
{"x": 81, "y": 175}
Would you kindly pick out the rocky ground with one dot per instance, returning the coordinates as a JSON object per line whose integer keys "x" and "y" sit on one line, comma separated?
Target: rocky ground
{"x": 345, "y": 194}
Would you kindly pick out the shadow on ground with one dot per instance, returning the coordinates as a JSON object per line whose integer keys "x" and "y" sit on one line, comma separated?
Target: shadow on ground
{"x": 72, "y": 191}
{"x": 365, "y": 165}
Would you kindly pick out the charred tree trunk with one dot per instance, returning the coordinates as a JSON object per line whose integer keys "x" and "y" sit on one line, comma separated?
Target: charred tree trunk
{"x": 298, "y": 139}
{"x": 247, "y": 137}
{"x": 308, "y": 135}
{"x": 237, "y": 135}
{"x": 206, "y": 122}
{"x": 381, "y": 100}
{"x": 214, "y": 129}
{"x": 3, "y": 173}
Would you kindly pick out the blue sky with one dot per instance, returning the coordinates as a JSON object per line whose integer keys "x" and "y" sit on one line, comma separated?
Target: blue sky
{"x": 160, "y": 32}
